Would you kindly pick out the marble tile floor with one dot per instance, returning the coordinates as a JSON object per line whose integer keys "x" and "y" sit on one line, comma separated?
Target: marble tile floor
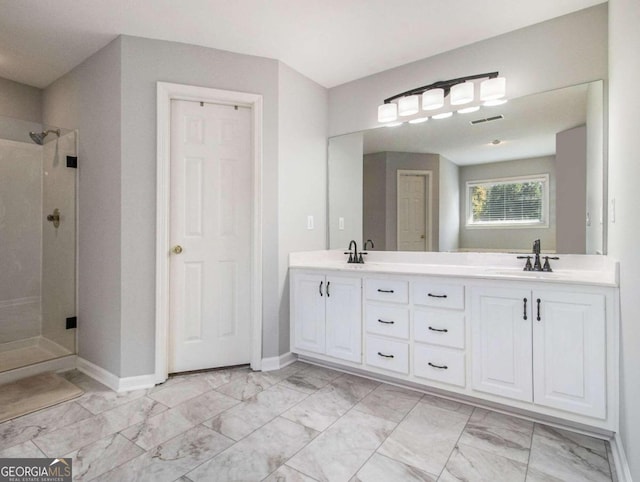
{"x": 301, "y": 423}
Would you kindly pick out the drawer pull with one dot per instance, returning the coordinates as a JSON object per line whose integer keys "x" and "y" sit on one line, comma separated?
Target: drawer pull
{"x": 384, "y": 291}
{"x": 386, "y": 322}
{"x": 441, "y": 367}
{"x": 431, "y": 295}
{"x": 443, "y": 330}
{"x": 385, "y": 356}
{"x": 320, "y": 287}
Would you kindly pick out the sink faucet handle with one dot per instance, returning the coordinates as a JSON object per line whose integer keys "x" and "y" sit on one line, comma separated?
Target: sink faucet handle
{"x": 360, "y": 258}
{"x": 528, "y": 266}
{"x": 547, "y": 265}
{"x": 350, "y": 253}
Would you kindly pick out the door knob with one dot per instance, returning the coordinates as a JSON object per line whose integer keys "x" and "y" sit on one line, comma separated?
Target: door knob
{"x": 54, "y": 218}
{"x": 177, "y": 249}
{"x": 422, "y": 236}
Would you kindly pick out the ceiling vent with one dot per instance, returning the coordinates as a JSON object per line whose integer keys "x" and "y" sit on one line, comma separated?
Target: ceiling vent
{"x": 487, "y": 119}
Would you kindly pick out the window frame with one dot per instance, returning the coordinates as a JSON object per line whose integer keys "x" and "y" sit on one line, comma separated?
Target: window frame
{"x": 543, "y": 223}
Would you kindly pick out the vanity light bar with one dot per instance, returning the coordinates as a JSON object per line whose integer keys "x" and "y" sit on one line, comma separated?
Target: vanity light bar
{"x": 461, "y": 91}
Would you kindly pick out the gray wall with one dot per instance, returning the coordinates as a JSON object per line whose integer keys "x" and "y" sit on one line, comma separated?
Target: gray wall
{"x": 508, "y": 238}
{"x": 302, "y": 175}
{"x": 449, "y": 198}
{"x": 561, "y": 52}
{"x": 374, "y": 197}
{"x": 345, "y": 189}
{"x": 20, "y": 110}
{"x": 20, "y": 101}
{"x": 571, "y": 195}
{"x": 89, "y": 98}
{"x": 624, "y": 172}
{"x": 144, "y": 62}
{"x": 111, "y": 98}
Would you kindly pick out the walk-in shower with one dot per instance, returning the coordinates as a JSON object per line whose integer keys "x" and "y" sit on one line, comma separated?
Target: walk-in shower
{"x": 38, "y": 137}
{"x": 38, "y": 255}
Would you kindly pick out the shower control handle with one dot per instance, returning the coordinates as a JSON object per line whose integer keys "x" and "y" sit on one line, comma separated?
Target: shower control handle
{"x": 177, "y": 249}
{"x": 54, "y": 218}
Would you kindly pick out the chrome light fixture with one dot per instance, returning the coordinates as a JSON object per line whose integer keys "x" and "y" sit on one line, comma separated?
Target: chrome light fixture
{"x": 461, "y": 93}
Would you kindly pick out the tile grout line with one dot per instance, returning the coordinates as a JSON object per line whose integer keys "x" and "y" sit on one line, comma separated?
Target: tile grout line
{"x": 526, "y": 472}
{"x": 456, "y": 444}
{"x": 329, "y": 427}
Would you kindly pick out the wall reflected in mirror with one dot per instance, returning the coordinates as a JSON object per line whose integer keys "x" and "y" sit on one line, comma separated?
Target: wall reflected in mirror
{"x": 38, "y": 256}
{"x": 493, "y": 180}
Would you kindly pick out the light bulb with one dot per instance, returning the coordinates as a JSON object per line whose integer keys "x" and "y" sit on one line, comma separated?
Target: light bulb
{"x": 433, "y": 99}
{"x": 387, "y": 112}
{"x": 419, "y": 120}
{"x": 469, "y": 110}
{"x": 462, "y": 93}
{"x": 492, "y": 89}
{"x": 408, "y": 105}
{"x": 443, "y": 115}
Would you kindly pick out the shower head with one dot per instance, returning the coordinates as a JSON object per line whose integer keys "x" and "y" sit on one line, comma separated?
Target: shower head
{"x": 38, "y": 137}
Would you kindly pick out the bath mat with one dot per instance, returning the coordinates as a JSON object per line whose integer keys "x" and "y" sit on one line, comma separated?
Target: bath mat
{"x": 34, "y": 393}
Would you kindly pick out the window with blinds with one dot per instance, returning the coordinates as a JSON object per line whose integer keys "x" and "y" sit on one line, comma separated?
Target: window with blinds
{"x": 508, "y": 202}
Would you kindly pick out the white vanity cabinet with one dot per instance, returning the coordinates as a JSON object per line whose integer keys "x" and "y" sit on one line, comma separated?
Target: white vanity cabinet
{"x": 542, "y": 346}
{"x": 327, "y": 315}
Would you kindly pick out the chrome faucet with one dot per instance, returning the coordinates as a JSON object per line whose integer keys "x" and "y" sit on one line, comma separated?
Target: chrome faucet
{"x": 354, "y": 256}
{"x": 537, "y": 266}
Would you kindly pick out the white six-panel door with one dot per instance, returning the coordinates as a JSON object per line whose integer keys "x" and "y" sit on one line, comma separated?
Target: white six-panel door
{"x": 412, "y": 208}
{"x": 501, "y": 342}
{"x": 210, "y": 223}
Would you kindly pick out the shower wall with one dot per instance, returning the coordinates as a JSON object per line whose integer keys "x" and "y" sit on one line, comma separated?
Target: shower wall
{"x": 58, "y": 244}
{"x": 20, "y": 240}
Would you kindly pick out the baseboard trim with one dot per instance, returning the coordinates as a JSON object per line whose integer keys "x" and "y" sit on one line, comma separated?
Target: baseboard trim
{"x": 113, "y": 381}
{"x": 277, "y": 362}
{"x": 620, "y": 459}
{"x": 98, "y": 373}
{"x": 61, "y": 364}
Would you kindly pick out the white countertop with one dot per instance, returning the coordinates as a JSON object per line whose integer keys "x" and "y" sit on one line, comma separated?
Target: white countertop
{"x": 572, "y": 268}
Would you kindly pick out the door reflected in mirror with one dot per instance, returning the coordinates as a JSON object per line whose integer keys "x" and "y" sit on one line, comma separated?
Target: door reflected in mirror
{"x": 493, "y": 180}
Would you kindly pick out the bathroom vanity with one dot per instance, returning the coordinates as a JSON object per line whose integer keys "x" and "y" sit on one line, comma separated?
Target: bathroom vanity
{"x": 472, "y": 326}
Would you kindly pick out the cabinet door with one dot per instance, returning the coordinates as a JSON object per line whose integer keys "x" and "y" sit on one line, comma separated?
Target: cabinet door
{"x": 308, "y": 312}
{"x": 501, "y": 341}
{"x": 569, "y": 352}
{"x": 344, "y": 318}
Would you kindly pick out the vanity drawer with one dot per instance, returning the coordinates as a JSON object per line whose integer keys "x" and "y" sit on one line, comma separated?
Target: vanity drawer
{"x": 387, "y": 354}
{"x": 387, "y": 290}
{"x": 439, "y": 364}
{"x": 387, "y": 320}
{"x": 439, "y": 327}
{"x": 438, "y": 295}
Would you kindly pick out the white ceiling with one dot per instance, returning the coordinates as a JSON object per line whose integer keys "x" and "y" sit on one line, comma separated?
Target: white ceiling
{"x": 330, "y": 41}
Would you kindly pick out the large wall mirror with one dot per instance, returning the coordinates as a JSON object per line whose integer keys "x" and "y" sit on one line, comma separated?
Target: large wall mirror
{"x": 493, "y": 180}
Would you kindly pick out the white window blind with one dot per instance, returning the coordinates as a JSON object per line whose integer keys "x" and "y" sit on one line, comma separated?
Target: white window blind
{"x": 518, "y": 201}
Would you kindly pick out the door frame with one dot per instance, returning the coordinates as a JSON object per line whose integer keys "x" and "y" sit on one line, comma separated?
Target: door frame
{"x": 427, "y": 199}
{"x": 166, "y": 92}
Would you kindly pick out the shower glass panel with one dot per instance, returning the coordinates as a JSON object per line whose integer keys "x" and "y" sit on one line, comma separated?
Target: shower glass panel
{"x": 37, "y": 243}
